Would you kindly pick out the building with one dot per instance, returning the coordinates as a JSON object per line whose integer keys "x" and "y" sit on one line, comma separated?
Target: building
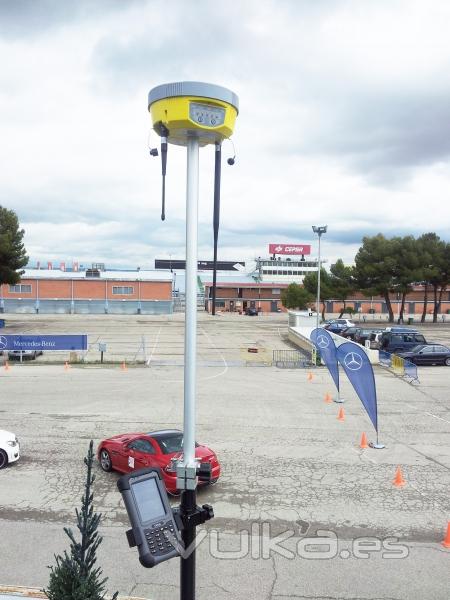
{"x": 237, "y": 296}
{"x": 286, "y": 270}
{"x": 287, "y": 264}
{"x": 414, "y": 303}
{"x": 93, "y": 291}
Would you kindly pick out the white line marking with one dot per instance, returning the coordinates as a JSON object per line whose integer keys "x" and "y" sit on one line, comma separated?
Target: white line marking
{"x": 436, "y": 417}
{"x": 219, "y": 353}
{"x": 154, "y": 346}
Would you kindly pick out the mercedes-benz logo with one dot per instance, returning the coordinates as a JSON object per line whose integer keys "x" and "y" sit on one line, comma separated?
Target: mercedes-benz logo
{"x": 323, "y": 341}
{"x": 3, "y": 342}
{"x": 353, "y": 361}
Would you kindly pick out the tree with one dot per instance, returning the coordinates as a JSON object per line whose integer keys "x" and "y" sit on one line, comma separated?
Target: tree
{"x": 295, "y": 296}
{"x": 375, "y": 268}
{"x": 441, "y": 279}
{"x": 342, "y": 283}
{"x": 12, "y": 250}
{"x": 429, "y": 248}
{"x": 75, "y": 576}
{"x": 407, "y": 268}
{"x": 326, "y": 291}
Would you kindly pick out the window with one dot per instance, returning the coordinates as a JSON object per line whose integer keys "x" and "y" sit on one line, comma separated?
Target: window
{"x": 122, "y": 289}
{"x": 276, "y": 291}
{"x": 142, "y": 446}
{"x": 20, "y": 289}
{"x": 427, "y": 350}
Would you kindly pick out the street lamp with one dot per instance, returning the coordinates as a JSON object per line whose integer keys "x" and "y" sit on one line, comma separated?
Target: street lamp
{"x": 319, "y": 229}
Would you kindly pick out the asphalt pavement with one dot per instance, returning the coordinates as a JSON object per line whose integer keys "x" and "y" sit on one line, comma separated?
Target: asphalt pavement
{"x": 290, "y": 469}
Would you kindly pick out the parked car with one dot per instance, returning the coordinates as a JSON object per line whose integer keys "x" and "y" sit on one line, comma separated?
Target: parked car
{"x": 26, "y": 354}
{"x": 251, "y": 312}
{"x": 9, "y": 448}
{"x": 375, "y": 338}
{"x": 400, "y": 339}
{"x": 429, "y": 354}
{"x": 338, "y": 325}
{"x": 364, "y": 333}
{"x": 349, "y": 332}
{"x": 130, "y": 451}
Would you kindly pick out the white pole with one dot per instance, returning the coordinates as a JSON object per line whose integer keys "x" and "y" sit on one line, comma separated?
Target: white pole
{"x": 190, "y": 332}
{"x": 318, "y": 289}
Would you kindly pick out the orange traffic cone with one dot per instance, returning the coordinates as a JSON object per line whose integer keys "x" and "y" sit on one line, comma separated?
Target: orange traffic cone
{"x": 341, "y": 415}
{"x": 66, "y": 366}
{"x": 399, "y": 481}
{"x": 328, "y": 398}
{"x": 124, "y": 366}
{"x": 310, "y": 376}
{"x": 446, "y": 541}
{"x": 363, "y": 443}
{"x": 7, "y": 367}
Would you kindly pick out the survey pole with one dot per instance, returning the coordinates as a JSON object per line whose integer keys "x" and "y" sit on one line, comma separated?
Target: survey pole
{"x": 190, "y": 334}
{"x": 191, "y": 114}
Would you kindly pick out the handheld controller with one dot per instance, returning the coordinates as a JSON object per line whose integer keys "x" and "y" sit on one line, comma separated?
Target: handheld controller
{"x": 154, "y": 530}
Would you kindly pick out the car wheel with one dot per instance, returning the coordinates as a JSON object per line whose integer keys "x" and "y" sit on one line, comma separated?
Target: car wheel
{"x": 447, "y": 361}
{"x": 3, "y": 459}
{"x": 105, "y": 461}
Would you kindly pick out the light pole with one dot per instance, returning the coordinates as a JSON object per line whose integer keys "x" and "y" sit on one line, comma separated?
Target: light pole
{"x": 319, "y": 229}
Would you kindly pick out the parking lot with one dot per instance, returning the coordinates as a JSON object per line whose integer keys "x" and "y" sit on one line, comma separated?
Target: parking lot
{"x": 290, "y": 468}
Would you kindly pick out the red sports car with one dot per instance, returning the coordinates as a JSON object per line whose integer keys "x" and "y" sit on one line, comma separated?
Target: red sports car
{"x": 130, "y": 451}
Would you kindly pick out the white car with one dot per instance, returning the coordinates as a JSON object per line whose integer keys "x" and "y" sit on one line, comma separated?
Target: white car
{"x": 9, "y": 448}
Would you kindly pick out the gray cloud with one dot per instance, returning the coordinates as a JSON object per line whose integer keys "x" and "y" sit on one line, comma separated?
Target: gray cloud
{"x": 25, "y": 18}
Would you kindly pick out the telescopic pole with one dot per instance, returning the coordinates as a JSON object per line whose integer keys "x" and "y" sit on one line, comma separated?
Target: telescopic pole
{"x": 216, "y": 217}
{"x": 318, "y": 289}
{"x": 188, "y": 496}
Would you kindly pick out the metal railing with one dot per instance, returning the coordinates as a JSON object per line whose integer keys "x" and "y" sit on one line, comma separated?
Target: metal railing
{"x": 399, "y": 366}
{"x": 290, "y": 359}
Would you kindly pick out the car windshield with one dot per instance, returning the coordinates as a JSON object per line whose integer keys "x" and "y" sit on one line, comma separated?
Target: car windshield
{"x": 171, "y": 442}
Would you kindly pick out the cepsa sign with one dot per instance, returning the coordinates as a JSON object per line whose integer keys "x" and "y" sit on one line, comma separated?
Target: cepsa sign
{"x": 289, "y": 249}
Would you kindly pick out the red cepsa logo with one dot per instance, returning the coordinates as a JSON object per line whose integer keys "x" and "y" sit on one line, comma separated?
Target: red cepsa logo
{"x": 297, "y": 249}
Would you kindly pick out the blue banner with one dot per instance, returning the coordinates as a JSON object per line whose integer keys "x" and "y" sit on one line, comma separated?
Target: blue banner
{"x": 356, "y": 364}
{"x": 43, "y": 342}
{"x": 324, "y": 343}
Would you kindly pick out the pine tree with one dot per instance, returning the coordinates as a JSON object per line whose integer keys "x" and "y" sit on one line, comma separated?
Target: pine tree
{"x": 75, "y": 576}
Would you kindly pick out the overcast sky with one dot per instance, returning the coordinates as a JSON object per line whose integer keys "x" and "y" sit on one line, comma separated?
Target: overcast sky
{"x": 344, "y": 120}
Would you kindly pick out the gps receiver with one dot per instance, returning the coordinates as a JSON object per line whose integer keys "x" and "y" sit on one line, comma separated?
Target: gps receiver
{"x": 153, "y": 527}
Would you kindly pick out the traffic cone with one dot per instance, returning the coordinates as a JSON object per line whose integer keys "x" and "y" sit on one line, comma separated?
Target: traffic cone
{"x": 7, "y": 367}
{"x": 446, "y": 541}
{"x": 341, "y": 415}
{"x": 399, "y": 481}
{"x": 66, "y": 366}
{"x": 124, "y": 366}
{"x": 328, "y": 399}
{"x": 310, "y": 376}
{"x": 363, "y": 443}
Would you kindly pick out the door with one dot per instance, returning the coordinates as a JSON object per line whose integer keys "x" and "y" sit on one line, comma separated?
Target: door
{"x": 140, "y": 454}
{"x": 427, "y": 356}
{"x": 273, "y": 306}
{"x": 440, "y": 354}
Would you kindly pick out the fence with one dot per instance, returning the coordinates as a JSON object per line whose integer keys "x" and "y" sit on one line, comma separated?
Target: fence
{"x": 399, "y": 366}
{"x": 290, "y": 359}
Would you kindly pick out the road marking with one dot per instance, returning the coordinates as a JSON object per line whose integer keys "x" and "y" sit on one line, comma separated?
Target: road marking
{"x": 154, "y": 346}
{"x": 436, "y": 417}
{"x": 219, "y": 353}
